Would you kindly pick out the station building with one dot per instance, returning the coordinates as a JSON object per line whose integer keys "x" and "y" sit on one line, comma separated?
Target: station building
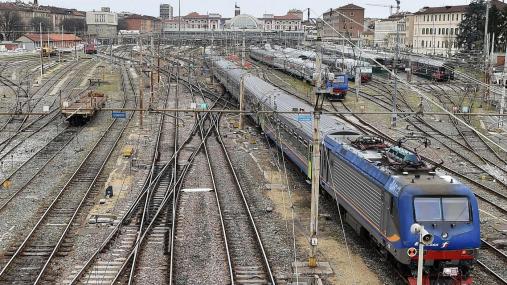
{"x": 31, "y": 42}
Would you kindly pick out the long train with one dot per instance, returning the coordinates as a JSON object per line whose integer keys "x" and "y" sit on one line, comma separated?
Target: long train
{"x": 336, "y": 85}
{"x": 337, "y": 63}
{"x": 423, "y": 66}
{"x": 382, "y": 190}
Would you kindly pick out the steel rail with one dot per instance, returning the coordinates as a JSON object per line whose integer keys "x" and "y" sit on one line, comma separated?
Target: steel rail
{"x": 60, "y": 194}
{"x": 92, "y": 184}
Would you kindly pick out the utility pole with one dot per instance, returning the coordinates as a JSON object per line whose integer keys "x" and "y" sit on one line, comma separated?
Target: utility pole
{"x": 158, "y": 63}
{"x": 151, "y": 69}
{"x": 61, "y": 47}
{"x": 486, "y": 50}
{"x": 49, "y": 50}
{"x": 179, "y": 23}
{"x": 502, "y": 101}
{"x": 141, "y": 84}
{"x": 243, "y": 52}
{"x": 395, "y": 65}
{"x": 242, "y": 102}
{"x": 315, "y": 166}
{"x": 41, "y": 52}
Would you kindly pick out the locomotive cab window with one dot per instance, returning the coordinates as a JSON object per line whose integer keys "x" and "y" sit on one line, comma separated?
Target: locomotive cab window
{"x": 427, "y": 209}
{"x": 456, "y": 209}
{"x": 448, "y": 209}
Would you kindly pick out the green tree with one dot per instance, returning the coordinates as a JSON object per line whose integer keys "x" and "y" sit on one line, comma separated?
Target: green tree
{"x": 37, "y": 21}
{"x": 471, "y": 36}
{"x": 10, "y": 25}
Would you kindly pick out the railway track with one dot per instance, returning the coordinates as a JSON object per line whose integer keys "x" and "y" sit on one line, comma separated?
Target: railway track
{"x": 29, "y": 260}
{"x": 27, "y": 128}
{"x": 130, "y": 237}
{"x": 27, "y": 172}
{"x": 35, "y": 132}
{"x": 494, "y": 260}
{"x": 248, "y": 256}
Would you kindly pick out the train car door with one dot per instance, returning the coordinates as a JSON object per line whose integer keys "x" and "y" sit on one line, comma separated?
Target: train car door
{"x": 390, "y": 218}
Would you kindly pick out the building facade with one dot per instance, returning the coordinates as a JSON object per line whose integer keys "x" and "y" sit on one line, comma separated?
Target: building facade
{"x": 55, "y": 15}
{"x": 143, "y": 24}
{"x": 436, "y": 30}
{"x": 166, "y": 12}
{"x": 194, "y": 21}
{"x": 346, "y": 21}
{"x": 386, "y": 35}
{"x": 102, "y": 25}
{"x": 292, "y": 21}
{"x": 31, "y": 42}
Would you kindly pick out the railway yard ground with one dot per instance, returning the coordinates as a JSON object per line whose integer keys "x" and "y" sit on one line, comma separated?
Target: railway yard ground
{"x": 146, "y": 191}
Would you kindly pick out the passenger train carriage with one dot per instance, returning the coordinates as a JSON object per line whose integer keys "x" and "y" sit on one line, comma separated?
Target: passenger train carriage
{"x": 383, "y": 190}
{"x": 335, "y": 85}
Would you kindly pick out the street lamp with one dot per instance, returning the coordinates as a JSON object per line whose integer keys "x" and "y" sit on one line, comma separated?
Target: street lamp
{"x": 425, "y": 238}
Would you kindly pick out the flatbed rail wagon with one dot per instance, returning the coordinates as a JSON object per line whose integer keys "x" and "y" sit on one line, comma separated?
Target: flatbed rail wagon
{"x": 83, "y": 109}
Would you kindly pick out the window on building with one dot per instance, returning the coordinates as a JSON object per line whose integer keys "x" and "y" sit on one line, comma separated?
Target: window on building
{"x": 438, "y": 44}
{"x": 431, "y": 31}
{"x": 422, "y": 43}
{"x": 448, "y": 17}
{"x": 452, "y": 31}
{"x": 351, "y": 13}
{"x": 456, "y": 31}
{"x": 440, "y": 17}
{"x": 446, "y": 31}
{"x": 462, "y": 17}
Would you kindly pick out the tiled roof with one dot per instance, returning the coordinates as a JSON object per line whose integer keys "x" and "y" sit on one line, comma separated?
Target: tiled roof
{"x": 289, "y": 16}
{"x": 195, "y": 15}
{"x": 440, "y": 10}
{"x": 350, "y": 7}
{"x": 142, "y": 17}
{"x": 53, "y": 37}
{"x": 20, "y": 6}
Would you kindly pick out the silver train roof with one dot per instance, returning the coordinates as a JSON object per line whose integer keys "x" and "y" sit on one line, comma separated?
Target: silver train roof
{"x": 373, "y": 54}
{"x": 281, "y": 101}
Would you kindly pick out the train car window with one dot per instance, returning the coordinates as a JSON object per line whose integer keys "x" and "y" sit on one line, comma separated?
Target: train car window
{"x": 456, "y": 209}
{"x": 427, "y": 209}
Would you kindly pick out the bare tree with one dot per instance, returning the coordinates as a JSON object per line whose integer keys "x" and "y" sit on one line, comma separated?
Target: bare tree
{"x": 37, "y": 21}
{"x": 10, "y": 25}
{"x": 74, "y": 25}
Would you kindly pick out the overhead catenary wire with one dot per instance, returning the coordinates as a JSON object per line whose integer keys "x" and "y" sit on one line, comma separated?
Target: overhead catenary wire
{"x": 420, "y": 93}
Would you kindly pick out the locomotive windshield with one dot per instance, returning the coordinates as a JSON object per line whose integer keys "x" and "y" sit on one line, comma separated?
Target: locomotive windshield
{"x": 449, "y": 209}
{"x": 340, "y": 79}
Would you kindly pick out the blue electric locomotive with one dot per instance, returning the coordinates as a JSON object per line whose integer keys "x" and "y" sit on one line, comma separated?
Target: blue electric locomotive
{"x": 337, "y": 88}
{"x": 381, "y": 190}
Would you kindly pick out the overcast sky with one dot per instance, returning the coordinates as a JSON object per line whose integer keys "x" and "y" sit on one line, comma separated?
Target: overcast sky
{"x": 253, "y": 7}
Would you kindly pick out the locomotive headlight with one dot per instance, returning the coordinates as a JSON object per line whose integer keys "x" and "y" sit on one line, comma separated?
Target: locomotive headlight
{"x": 445, "y": 235}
